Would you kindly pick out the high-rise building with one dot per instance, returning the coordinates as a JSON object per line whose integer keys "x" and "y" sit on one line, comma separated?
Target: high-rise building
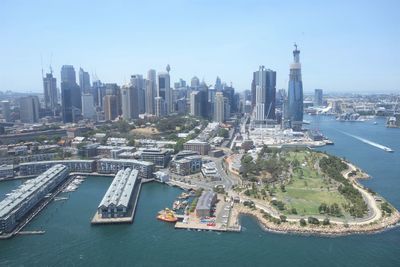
{"x": 318, "y": 98}
{"x": 50, "y": 91}
{"x": 218, "y": 84}
{"x": 110, "y": 107}
{"x": 138, "y": 82}
{"x": 71, "y": 99}
{"x": 29, "y": 109}
{"x": 99, "y": 91}
{"x": 195, "y": 83}
{"x": 295, "y": 92}
{"x": 265, "y": 83}
{"x": 130, "y": 105}
{"x": 253, "y": 91}
{"x": 88, "y": 108}
{"x": 5, "y": 110}
{"x": 151, "y": 87}
{"x": 219, "y": 107}
{"x": 195, "y": 103}
{"x": 84, "y": 81}
{"x": 159, "y": 106}
{"x": 164, "y": 90}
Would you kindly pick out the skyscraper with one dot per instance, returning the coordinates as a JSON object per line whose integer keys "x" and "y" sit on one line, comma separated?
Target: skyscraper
{"x": 218, "y": 84}
{"x": 318, "y": 98}
{"x": 164, "y": 90}
{"x": 110, "y": 107}
{"x": 151, "y": 87}
{"x": 138, "y": 82}
{"x": 195, "y": 83}
{"x": 50, "y": 91}
{"x": 71, "y": 99}
{"x": 265, "y": 83}
{"x": 84, "y": 81}
{"x": 295, "y": 92}
{"x": 29, "y": 109}
{"x": 88, "y": 108}
{"x": 195, "y": 103}
{"x": 130, "y": 107}
{"x": 219, "y": 107}
{"x": 5, "y": 110}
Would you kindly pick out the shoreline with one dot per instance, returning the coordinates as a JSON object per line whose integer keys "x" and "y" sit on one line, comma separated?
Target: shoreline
{"x": 332, "y": 230}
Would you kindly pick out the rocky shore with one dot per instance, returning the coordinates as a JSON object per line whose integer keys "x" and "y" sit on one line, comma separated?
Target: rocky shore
{"x": 325, "y": 230}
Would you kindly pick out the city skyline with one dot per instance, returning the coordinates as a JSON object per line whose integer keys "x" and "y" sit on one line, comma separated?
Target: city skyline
{"x": 356, "y": 46}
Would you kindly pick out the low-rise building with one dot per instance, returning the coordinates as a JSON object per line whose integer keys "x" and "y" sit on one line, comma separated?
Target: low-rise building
{"x": 34, "y": 168}
{"x": 107, "y": 166}
{"x": 185, "y": 153}
{"x": 6, "y": 171}
{"x": 160, "y": 157}
{"x": 188, "y": 165}
{"x": 205, "y": 203}
{"x": 209, "y": 170}
{"x": 197, "y": 145}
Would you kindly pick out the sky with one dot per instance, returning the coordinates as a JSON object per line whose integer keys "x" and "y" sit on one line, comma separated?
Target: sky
{"x": 346, "y": 46}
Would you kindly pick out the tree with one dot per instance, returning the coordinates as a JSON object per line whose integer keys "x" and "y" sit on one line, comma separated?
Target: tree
{"x": 303, "y": 222}
{"x": 326, "y": 221}
{"x": 222, "y": 132}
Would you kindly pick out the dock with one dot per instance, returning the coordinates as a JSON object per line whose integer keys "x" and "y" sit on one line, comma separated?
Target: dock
{"x": 97, "y": 219}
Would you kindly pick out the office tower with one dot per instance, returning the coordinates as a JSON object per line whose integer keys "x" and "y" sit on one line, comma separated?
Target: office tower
{"x": 50, "y": 91}
{"x": 180, "y": 84}
{"x": 195, "y": 103}
{"x": 130, "y": 105}
{"x": 88, "y": 108}
{"x": 138, "y": 82}
{"x": 29, "y": 109}
{"x": 295, "y": 92}
{"x": 203, "y": 101}
{"x": 265, "y": 82}
{"x": 253, "y": 90}
{"x": 113, "y": 89}
{"x": 159, "y": 106}
{"x": 181, "y": 105}
{"x": 5, "y": 110}
{"x": 280, "y": 97}
{"x": 229, "y": 93}
{"x": 195, "y": 83}
{"x": 84, "y": 81}
{"x": 219, "y": 107}
{"x": 110, "y": 107}
{"x": 71, "y": 99}
{"x": 99, "y": 91}
{"x": 151, "y": 87}
{"x": 164, "y": 90}
{"x": 227, "y": 109}
{"x": 218, "y": 84}
{"x": 318, "y": 98}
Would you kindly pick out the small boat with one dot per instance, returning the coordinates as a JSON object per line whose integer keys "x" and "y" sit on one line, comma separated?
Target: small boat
{"x": 167, "y": 215}
{"x": 375, "y": 123}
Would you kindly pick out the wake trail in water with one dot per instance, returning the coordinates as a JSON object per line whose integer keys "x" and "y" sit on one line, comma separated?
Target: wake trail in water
{"x": 369, "y": 142}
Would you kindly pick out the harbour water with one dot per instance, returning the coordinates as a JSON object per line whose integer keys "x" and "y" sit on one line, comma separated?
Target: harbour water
{"x": 70, "y": 240}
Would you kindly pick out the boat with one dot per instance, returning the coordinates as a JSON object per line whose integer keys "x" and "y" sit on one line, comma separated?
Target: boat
{"x": 375, "y": 123}
{"x": 176, "y": 205}
{"x": 167, "y": 215}
{"x": 328, "y": 142}
{"x": 183, "y": 196}
{"x": 387, "y": 149}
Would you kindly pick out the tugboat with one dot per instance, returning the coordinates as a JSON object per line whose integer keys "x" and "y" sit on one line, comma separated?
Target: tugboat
{"x": 167, "y": 215}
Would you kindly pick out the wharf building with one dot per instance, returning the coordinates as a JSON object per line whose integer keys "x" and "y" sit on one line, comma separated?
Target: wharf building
{"x": 34, "y": 168}
{"x": 17, "y": 205}
{"x": 160, "y": 157}
{"x": 118, "y": 200}
{"x": 205, "y": 203}
{"x": 196, "y": 145}
{"x": 295, "y": 92}
{"x": 107, "y": 166}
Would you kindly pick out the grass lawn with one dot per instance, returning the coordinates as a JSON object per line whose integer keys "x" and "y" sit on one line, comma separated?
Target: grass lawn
{"x": 308, "y": 190}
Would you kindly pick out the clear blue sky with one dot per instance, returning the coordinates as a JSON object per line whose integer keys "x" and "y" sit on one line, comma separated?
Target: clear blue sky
{"x": 348, "y": 45}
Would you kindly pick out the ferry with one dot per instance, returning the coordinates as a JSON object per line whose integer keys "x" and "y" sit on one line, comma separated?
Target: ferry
{"x": 167, "y": 215}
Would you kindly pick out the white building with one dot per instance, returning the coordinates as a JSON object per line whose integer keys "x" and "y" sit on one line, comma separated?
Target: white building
{"x": 88, "y": 110}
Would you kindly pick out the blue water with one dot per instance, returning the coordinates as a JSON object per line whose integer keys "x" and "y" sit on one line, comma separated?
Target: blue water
{"x": 70, "y": 240}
